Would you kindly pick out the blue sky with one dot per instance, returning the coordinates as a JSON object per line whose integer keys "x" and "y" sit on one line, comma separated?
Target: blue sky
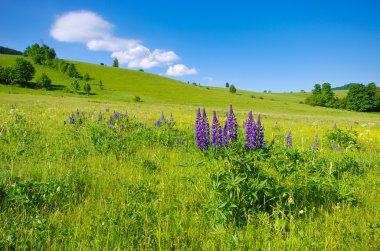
{"x": 256, "y": 45}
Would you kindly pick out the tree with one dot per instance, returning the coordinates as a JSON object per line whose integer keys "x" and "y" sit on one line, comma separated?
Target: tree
{"x": 6, "y": 75}
{"x": 40, "y": 54}
{"x": 86, "y": 77}
{"x": 75, "y": 86}
{"x": 72, "y": 71}
{"x": 23, "y": 71}
{"x": 87, "y": 88}
{"x": 227, "y": 85}
{"x": 317, "y": 89}
{"x": 44, "y": 81}
{"x": 362, "y": 98}
{"x": 232, "y": 89}
{"x": 115, "y": 63}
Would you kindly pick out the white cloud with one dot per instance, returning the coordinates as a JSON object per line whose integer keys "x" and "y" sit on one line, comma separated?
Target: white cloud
{"x": 90, "y": 28}
{"x": 180, "y": 70}
{"x": 208, "y": 78}
{"x": 80, "y": 26}
{"x": 111, "y": 44}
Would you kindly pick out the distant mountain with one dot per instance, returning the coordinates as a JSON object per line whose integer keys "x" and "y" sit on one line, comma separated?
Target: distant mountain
{"x": 344, "y": 87}
{"x": 9, "y": 51}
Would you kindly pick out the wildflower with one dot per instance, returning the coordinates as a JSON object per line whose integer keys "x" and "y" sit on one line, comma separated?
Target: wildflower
{"x": 200, "y": 132}
{"x": 289, "y": 142}
{"x": 158, "y": 123}
{"x": 80, "y": 121}
{"x": 250, "y": 132}
{"x": 231, "y": 126}
{"x": 115, "y": 115}
{"x": 333, "y": 145}
{"x": 72, "y": 119}
{"x": 171, "y": 118}
{"x": 77, "y": 112}
{"x": 259, "y": 133}
{"x": 100, "y": 117}
{"x": 107, "y": 109}
{"x": 110, "y": 122}
{"x": 316, "y": 142}
{"x": 206, "y": 125}
{"x": 217, "y": 133}
{"x": 339, "y": 148}
{"x": 162, "y": 118}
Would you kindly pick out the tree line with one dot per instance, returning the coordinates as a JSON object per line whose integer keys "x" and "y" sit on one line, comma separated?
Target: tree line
{"x": 22, "y": 72}
{"x": 360, "y": 97}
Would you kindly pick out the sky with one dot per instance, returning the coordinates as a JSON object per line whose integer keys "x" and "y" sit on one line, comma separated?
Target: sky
{"x": 256, "y": 45}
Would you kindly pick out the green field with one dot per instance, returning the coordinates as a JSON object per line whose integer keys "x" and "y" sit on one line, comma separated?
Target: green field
{"x": 134, "y": 186}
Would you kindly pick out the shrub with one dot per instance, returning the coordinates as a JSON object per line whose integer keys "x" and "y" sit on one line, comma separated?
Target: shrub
{"x": 137, "y": 99}
{"x": 87, "y": 88}
{"x": 232, "y": 89}
{"x": 23, "y": 71}
{"x": 75, "y": 86}
{"x": 44, "y": 81}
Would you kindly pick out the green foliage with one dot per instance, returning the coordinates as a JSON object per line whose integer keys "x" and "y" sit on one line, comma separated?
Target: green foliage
{"x": 227, "y": 85}
{"x": 43, "y": 55}
{"x": 346, "y": 139}
{"x": 363, "y": 98}
{"x": 359, "y": 97}
{"x": 244, "y": 184}
{"x": 137, "y": 99}
{"x": 72, "y": 71}
{"x": 75, "y": 86}
{"x": 44, "y": 81}
{"x": 6, "y": 75}
{"x": 232, "y": 89}
{"x": 86, "y": 77}
{"x": 87, "y": 88}
{"x": 115, "y": 63}
{"x": 23, "y": 71}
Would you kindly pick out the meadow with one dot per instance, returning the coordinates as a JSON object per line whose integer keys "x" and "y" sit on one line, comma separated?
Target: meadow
{"x": 129, "y": 184}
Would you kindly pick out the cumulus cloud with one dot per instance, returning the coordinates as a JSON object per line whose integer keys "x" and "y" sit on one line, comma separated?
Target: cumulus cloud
{"x": 80, "y": 26}
{"x": 180, "y": 70}
{"x": 90, "y": 28}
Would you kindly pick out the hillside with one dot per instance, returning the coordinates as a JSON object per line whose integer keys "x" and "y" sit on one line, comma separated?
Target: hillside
{"x": 9, "y": 51}
{"x": 124, "y": 84}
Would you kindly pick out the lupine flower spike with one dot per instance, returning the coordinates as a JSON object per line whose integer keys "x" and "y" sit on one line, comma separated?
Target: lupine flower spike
{"x": 72, "y": 119}
{"x": 200, "y": 131}
{"x": 316, "y": 142}
{"x": 100, "y": 117}
{"x": 250, "y": 132}
{"x": 231, "y": 126}
{"x": 259, "y": 133}
{"x": 217, "y": 133}
{"x": 206, "y": 125}
{"x": 289, "y": 141}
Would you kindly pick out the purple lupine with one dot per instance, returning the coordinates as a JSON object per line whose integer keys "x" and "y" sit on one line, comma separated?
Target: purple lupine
{"x": 289, "y": 141}
{"x": 72, "y": 119}
{"x": 259, "y": 133}
{"x": 231, "y": 126}
{"x": 200, "y": 131}
{"x": 77, "y": 112}
{"x": 80, "y": 121}
{"x": 339, "y": 148}
{"x": 163, "y": 119}
{"x": 171, "y": 118}
{"x": 107, "y": 109}
{"x": 250, "y": 132}
{"x": 158, "y": 123}
{"x": 206, "y": 125}
{"x": 333, "y": 145}
{"x": 217, "y": 133}
{"x": 116, "y": 115}
{"x": 110, "y": 122}
{"x": 100, "y": 117}
{"x": 316, "y": 142}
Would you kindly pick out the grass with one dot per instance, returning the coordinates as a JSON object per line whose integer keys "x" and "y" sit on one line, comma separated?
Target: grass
{"x": 61, "y": 188}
